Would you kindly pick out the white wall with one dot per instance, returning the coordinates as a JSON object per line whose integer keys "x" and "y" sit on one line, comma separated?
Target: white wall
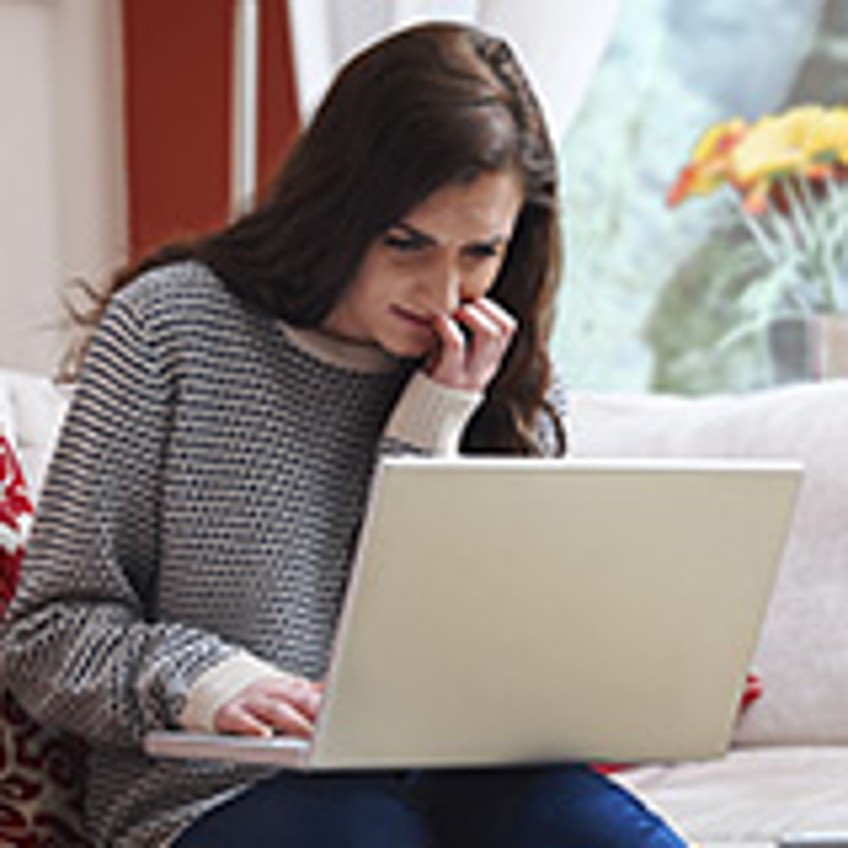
{"x": 62, "y": 193}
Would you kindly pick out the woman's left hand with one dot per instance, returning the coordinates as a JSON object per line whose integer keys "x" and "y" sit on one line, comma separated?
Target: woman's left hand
{"x": 471, "y": 345}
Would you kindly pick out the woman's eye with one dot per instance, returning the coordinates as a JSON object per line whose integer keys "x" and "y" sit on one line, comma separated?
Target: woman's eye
{"x": 405, "y": 244}
{"x": 481, "y": 251}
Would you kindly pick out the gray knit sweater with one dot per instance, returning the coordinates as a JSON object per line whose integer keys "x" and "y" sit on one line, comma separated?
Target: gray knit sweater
{"x": 195, "y": 530}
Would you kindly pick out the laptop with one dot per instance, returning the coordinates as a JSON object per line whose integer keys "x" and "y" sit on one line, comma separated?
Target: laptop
{"x": 518, "y": 611}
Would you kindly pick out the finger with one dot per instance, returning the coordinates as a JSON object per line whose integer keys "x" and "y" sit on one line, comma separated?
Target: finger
{"x": 233, "y": 718}
{"x": 497, "y": 313}
{"x": 449, "y": 334}
{"x": 448, "y": 357}
{"x": 281, "y": 715}
{"x": 488, "y": 342}
{"x": 303, "y": 695}
{"x": 289, "y": 687}
{"x": 483, "y": 327}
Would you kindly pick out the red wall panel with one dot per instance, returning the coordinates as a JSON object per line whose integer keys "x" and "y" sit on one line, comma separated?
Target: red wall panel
{"x": 278, "y": 112}
{"x": 178, "y": 92}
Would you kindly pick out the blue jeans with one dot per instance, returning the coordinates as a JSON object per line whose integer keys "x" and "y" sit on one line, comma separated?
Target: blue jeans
{"x": 508, "y": 808}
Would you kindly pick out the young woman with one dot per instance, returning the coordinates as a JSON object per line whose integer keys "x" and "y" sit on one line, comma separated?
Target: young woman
{"x": 392, "y": 293}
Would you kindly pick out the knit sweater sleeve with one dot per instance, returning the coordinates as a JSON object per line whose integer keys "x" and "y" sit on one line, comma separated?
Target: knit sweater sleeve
{"x": 81, "y": 645}
{"x": 429, "y": 418}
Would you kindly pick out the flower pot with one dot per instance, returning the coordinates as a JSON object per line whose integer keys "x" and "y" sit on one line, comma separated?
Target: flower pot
{"x": 811, "y": 348}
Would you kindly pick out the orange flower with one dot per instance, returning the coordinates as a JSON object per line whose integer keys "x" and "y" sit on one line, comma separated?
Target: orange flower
{"x": 807, "y": 142}
{"x": 709, "y": 166}
{"x": 790, "y": 172}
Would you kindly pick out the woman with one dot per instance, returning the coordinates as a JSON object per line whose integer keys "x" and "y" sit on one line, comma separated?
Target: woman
{"x": 392, "y": 293}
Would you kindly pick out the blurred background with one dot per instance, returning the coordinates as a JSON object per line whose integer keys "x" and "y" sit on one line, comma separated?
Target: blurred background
{"x": 127, "y": 123}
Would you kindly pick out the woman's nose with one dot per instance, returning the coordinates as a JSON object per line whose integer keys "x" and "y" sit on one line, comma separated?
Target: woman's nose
{"x": 444, "y": 284}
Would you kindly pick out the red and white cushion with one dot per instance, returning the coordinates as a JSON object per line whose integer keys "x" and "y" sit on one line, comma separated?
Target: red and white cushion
{"x": 41, "y": 769}
{"x": 15, "y": 520}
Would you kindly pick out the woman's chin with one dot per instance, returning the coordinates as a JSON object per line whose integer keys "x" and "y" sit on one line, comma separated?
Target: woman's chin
{"x": 410, "y": 347}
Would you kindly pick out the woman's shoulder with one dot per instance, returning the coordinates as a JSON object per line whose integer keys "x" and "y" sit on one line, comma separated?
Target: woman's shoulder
{"x": 179, "y": 306}
{"x": 184, "y": 299}
{"x": 174, "y": 288}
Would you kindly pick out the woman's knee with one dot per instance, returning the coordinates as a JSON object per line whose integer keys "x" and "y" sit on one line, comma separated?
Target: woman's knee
{"x": 576, "y": 806}
{"x": 372, "y": 817}
{"x": 310, "y": 812}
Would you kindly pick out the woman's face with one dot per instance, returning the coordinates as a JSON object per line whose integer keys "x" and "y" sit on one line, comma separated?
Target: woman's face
{"x": 445, "y": 252}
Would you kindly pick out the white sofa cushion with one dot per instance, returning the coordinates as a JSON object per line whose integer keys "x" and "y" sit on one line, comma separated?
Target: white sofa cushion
{"x": 803, "y": 653}
{"x": 7, "y": 421}
{"x": 31, "y": 411}
{"x": 751, "y": 796}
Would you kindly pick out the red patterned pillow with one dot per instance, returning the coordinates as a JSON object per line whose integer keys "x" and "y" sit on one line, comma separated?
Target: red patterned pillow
{"x": 15, "y": 518}
{"x": 42, "y": 774}
{"x": 41, "y": 769}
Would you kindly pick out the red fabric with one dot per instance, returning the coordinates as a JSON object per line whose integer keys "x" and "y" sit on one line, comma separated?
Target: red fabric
{"x": 15, "y": 516}
{"x": 42, "y": 773}
{"x": 42, "y": 770}
{"x": 753, "y": 690}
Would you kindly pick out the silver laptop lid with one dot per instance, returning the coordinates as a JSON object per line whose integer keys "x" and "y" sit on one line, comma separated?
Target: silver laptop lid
{"x": 506, "y": 611}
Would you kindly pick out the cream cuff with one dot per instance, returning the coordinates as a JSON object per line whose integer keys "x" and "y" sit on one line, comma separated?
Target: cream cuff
{"x": 431, "y": 416}
{"x": 217, "y": 685}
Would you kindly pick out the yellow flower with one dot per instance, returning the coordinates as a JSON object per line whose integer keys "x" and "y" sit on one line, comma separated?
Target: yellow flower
{"x": 807, "y": 142}
{"x": 776, "y": 145}
{"x": 790, "y": 172}
{"x": 828, "y": 139}
{"x": 792, "y": 143}
{"x": 828, "y": 131}
{"x": 802, "y": 142}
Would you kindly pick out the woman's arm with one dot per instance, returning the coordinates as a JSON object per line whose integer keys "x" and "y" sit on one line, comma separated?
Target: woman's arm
{"x": 82, "y": 647}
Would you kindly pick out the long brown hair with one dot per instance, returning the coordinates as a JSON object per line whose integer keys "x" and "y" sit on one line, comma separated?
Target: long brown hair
{"x": 429, "y": 106}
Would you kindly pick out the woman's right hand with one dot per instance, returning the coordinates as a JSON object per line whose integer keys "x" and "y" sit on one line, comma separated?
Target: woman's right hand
{"x": 282, "y": 703}
{"x": 471, "y": 344}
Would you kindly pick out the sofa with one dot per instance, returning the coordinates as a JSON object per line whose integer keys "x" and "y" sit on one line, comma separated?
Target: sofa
{"x": 787, "y": 769}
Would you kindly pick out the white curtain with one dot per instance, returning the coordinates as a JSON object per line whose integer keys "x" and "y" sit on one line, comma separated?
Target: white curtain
{"x": 559, "y": 41}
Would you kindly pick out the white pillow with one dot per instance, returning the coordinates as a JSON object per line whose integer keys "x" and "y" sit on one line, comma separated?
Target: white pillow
{"x": 31, "y": 412}
{"x": 803, "y": 653}
{"x": 7, "y": 421}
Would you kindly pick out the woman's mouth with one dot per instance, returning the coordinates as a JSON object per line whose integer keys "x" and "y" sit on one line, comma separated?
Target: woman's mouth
{"x": 423, "y": 322}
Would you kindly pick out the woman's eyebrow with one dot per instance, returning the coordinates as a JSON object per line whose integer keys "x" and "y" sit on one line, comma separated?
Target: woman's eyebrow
{"x": 425, "y": 238}
{"x": 414, "y": 232}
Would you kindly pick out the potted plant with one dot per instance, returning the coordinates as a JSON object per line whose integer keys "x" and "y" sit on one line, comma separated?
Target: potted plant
{"x": 786, "y": 177}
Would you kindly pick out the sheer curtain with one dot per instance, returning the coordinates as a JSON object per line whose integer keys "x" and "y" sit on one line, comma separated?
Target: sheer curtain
{"x": 326, "y": 32}
{"x": 559, "y": 41}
